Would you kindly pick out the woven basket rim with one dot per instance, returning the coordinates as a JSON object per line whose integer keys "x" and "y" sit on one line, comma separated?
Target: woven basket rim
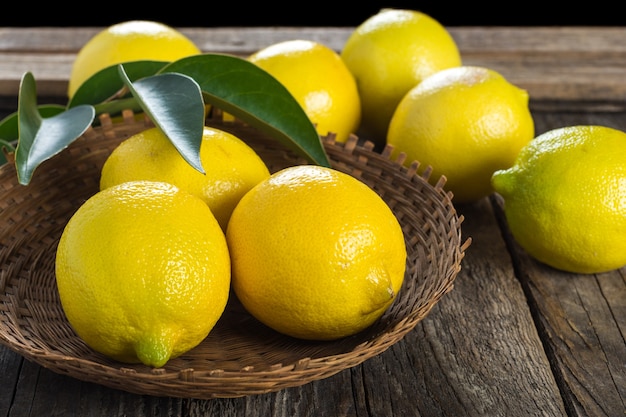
{"x": 231, "y": 362}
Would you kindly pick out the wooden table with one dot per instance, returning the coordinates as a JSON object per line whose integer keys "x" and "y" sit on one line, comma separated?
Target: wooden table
{"x": 513, "y": 338}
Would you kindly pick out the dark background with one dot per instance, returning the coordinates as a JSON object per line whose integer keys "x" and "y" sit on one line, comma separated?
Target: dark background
{"x": 234, "y": 13}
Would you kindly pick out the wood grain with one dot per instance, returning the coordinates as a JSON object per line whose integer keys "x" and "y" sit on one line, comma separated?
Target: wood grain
{"x": 553, "y": 63}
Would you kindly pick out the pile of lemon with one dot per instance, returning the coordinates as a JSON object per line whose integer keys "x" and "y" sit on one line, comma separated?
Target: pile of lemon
{"x": 564, "y": 191}
{"x": 145, "y": 267}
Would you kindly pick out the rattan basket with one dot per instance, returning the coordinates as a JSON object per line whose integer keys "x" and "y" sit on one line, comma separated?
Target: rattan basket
{"x": 240, "y": 356}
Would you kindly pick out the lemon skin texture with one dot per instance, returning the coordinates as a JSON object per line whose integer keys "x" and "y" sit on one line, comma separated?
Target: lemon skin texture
{"x": 231, "y": 167}
{"x": 319, "y": 80}
{"x": 132, "y": 40}
{"x": 143, "y": 272}
{"x": 565, "y": 198}
{"x": 390, "y": 53}
{"x": 316, "y": 254}
{"x": 464, "y": 122}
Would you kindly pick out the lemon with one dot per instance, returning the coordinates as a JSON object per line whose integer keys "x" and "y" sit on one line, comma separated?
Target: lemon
{"x": 565, "y": 198}
{"x": 390, "y": 53}
{"x": 316, "y": 254}
{"x": 231, "y": 167}
{"x": 143, "y": 272}
{"x": 319, "y": 80}
{"x": 133, "y": 40}
{"x": 465, "y": 122}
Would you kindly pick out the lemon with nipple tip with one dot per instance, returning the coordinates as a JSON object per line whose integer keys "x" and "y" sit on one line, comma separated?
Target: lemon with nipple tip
{"x": 143, "y": 272}
{"x": 565, "y": 198}
{"x": 316, "y": 254}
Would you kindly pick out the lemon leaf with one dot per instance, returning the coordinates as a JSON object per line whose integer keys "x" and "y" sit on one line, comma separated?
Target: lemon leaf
{"x": 173, "y": 95}
{"x": 174, "y": 104}
{"x": 41, "y": 138}
{"x": 251, "y": 94}
{"x": 9, "y": 131}
{"x": 107, "y": 84}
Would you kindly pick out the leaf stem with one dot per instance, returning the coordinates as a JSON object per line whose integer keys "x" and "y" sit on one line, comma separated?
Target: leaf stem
{"x": 116, "y": 106}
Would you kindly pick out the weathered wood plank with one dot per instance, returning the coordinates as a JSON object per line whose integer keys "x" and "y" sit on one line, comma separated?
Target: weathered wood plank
{"x": 10, "y": 363}
{"x": 551, "y": 63}
{"x": 41, "y": 392}
{"x": 483, "y": 333}
{"x": 585, "y": 334}
{"x": 507, "y": 40}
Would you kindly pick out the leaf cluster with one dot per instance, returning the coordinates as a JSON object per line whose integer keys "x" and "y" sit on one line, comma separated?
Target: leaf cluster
{"x": 173, "y": 95}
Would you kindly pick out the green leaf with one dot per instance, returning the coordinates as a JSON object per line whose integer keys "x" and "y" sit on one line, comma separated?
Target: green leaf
{"x": 249, "y": 93}
{"x": 117, "y": 106}
{"x": 9, "y": 130}
{"x": 173, "y": 96}
{"x": 174, "y": 104}
{"x": 41, "y": 138}
{"x": 106, "y": 83}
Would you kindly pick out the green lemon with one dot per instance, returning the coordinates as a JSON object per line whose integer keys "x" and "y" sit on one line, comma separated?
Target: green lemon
{"x": 565, "y": 198}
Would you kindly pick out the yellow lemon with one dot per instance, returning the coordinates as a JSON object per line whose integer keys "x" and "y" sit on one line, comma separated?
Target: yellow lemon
{"x": 466, "y": 122}
{"x": 132, "y": 40}
{"x": 316, "y": 254}
{"x": 231, "y": 167}
{"x": 390, "y": 53}
{"x": 143, "y": 272}
{"x": 565, "y": 198}
{"x": 319, "y": 80}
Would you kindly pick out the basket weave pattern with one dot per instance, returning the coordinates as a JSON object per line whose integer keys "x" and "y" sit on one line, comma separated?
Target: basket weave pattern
{"x": 240, "y": 356}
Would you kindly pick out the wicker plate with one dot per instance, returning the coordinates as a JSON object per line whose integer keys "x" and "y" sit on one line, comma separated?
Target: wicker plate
{"x": 240, "y": 356}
